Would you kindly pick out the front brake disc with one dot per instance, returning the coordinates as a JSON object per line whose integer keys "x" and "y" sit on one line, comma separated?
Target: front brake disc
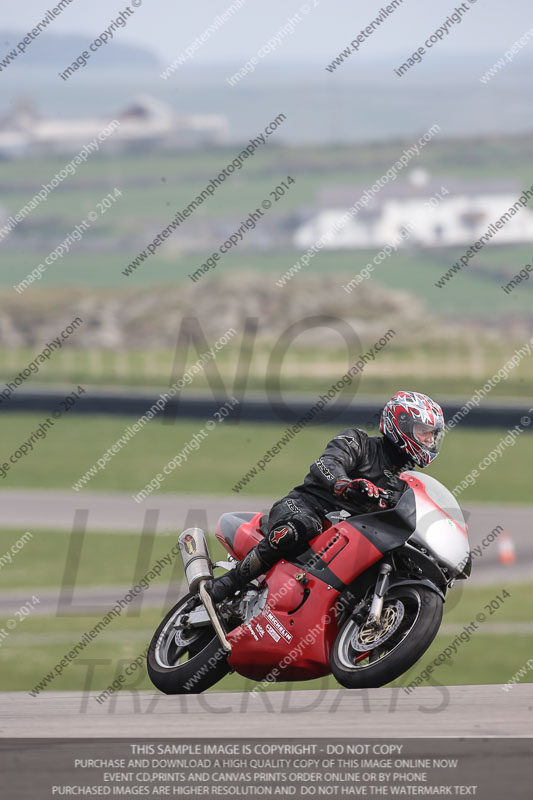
{"x": 183, "y": 638}
{"x": 369, "y": 636}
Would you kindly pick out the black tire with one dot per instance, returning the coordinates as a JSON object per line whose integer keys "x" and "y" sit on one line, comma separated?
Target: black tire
{"x": 422, "y": 616}
{"x": 206, "y": 663}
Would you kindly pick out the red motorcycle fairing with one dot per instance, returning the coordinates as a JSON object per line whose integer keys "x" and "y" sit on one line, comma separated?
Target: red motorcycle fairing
{"x": 291, "y": 639}
{"x": 238, "y": 532}
{"x": 358, "y": 553}
{"x": 360, "y": 541}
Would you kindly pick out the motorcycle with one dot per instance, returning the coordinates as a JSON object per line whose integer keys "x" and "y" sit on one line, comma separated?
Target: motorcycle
{"x": 363, "y": 602}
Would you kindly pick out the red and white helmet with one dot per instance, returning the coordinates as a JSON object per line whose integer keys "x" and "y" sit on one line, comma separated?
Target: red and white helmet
{"x": 415, "y": 424}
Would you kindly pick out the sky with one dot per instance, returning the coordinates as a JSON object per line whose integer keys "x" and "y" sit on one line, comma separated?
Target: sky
{"x": 169, "y": 26}
{"x": 362, "y": 100}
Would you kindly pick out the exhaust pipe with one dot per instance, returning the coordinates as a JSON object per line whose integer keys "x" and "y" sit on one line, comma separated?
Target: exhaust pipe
{"x": 198, "y": 569}
{"x": 195, "y": 556}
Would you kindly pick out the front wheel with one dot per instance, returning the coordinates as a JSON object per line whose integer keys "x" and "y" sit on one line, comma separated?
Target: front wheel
{"x": 183, "y": 659}
{"x": 365, "y": 656}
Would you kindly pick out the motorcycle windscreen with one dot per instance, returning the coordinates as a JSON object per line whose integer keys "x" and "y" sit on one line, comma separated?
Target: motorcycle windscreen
{"x": 440, "y": 524}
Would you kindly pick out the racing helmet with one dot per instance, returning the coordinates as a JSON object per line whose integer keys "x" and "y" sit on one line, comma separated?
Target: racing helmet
{"x": 415, "y": 424}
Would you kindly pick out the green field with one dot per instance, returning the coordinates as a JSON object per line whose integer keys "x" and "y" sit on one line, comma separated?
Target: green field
{"x": 155, "y": 186}
{"x": 183, "y": 173}
{"x": 104, "y": 558}
{"x": 473, "y": 292}
{"x": 74, "y": 445}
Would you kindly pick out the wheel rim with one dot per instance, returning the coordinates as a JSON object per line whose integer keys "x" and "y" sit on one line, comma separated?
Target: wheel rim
{"x": 360, "y": 646}
{"x": 175, "y": 644}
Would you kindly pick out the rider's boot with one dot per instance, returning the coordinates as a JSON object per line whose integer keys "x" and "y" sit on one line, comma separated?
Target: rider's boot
{"x": 245, "y": 571}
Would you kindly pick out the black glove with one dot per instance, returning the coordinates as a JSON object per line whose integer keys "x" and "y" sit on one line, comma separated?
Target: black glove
{"x": 347, "y": 488}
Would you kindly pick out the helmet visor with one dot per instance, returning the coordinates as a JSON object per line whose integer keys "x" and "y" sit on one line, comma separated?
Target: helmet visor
{"x": 428, "y": 436}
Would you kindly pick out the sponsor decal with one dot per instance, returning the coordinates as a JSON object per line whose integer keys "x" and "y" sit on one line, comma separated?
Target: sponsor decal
{"x": 273, "y": 633}
{"x": 189, "y": 544}
{"x": 277, "y": 536}
{"x": 350, "y": 439}
{"x": 324, "y": 470}
{"x": 260, "y": 630}
{"x": 252, "y": 632}
{"x": 267, "y": 613}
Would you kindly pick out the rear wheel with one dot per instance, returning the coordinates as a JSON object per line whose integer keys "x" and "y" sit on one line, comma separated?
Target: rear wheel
{"x": 183, "y": 659}
{"x": 368, "y": 656}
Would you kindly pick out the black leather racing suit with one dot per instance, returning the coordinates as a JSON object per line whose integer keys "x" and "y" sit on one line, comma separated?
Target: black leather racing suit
{"x": 350, "y": 454}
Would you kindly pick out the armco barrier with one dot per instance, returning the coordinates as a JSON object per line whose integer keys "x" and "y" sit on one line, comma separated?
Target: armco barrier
{"x": 254, "y": 408}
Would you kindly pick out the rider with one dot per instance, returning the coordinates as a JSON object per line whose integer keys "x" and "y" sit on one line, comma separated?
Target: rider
{"x": 355, "y": 472}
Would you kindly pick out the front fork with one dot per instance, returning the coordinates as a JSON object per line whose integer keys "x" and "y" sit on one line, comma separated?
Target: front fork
{"x": 382, "y": 584}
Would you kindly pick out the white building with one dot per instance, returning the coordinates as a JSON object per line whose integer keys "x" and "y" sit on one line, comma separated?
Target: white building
{"x": 147, "y": 122}
{"x": 433, "y": 217}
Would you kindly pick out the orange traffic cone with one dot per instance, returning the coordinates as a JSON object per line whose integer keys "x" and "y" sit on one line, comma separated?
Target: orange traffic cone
{"x": 506, "y": 550}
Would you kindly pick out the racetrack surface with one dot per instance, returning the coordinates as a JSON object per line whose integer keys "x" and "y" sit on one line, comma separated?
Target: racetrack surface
{"x": 470, "y": 711}
{"x": 117, "y": 511}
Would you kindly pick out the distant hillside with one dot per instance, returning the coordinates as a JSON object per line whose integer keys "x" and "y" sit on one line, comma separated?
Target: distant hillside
{"x": 150, "y": 317}
{"x": 60, "y": 50}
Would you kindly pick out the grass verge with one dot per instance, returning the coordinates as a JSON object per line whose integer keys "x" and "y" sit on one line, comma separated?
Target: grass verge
{"x": 75, "y": 444}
